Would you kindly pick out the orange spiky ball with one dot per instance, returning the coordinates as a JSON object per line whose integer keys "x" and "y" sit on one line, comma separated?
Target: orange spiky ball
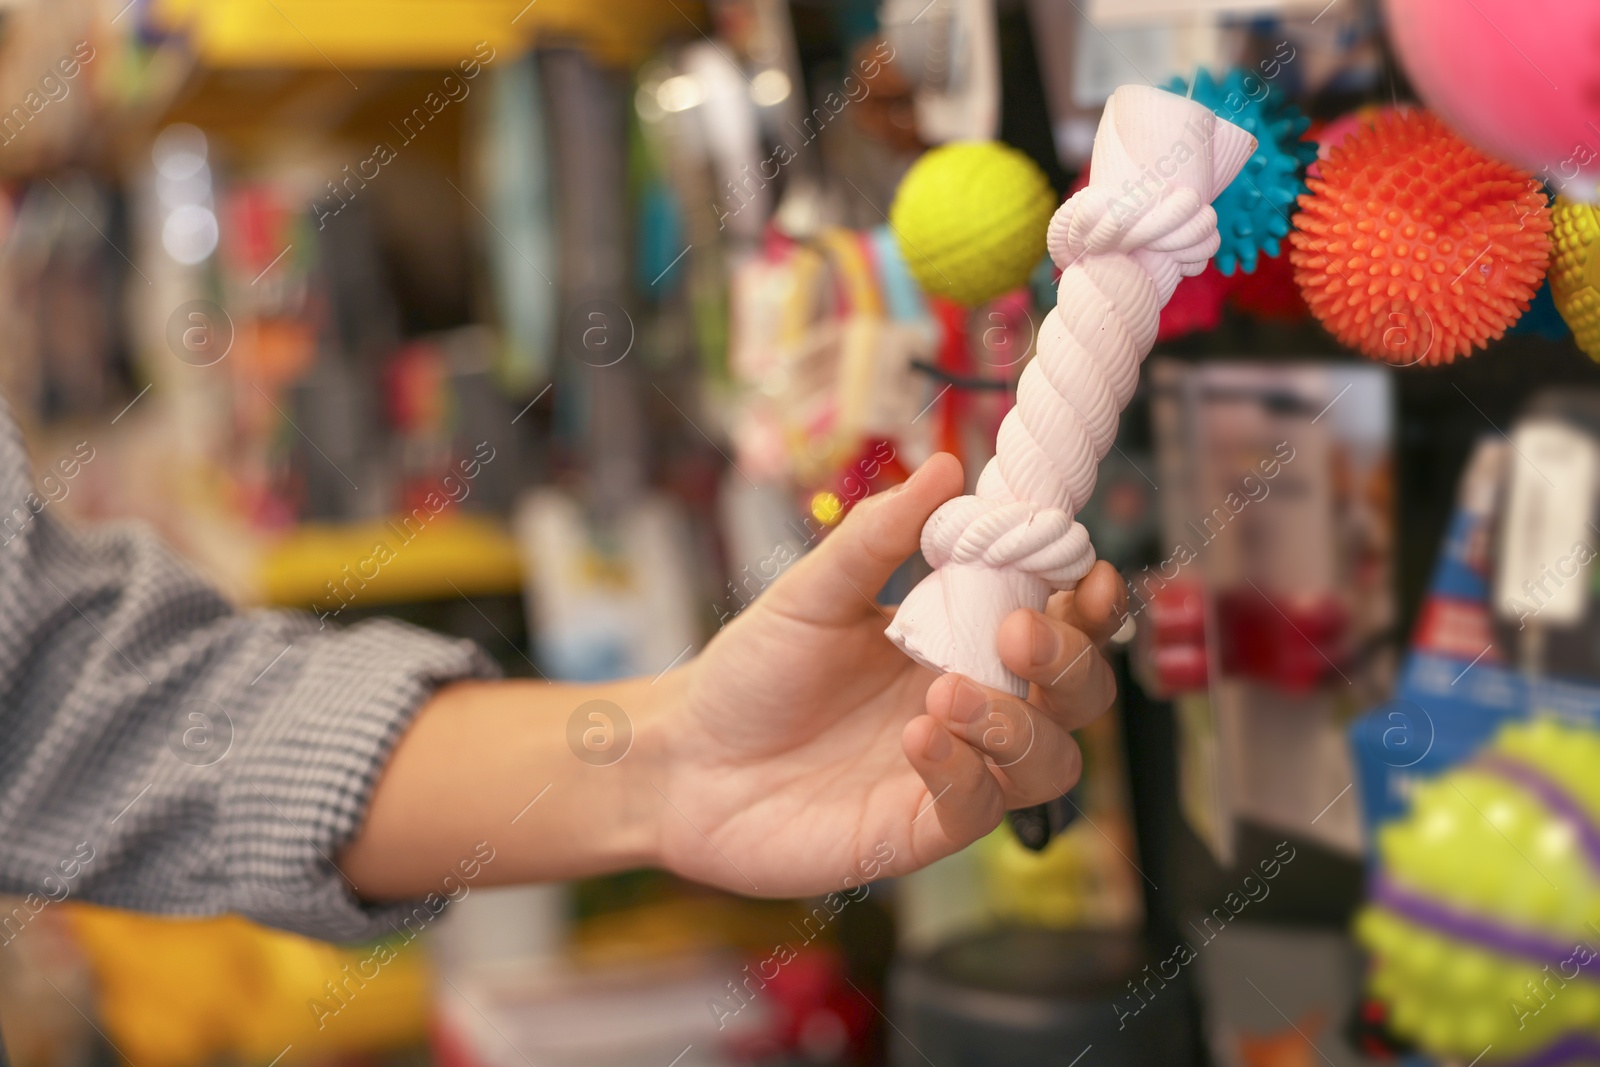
{"x": 1415, "y": 247}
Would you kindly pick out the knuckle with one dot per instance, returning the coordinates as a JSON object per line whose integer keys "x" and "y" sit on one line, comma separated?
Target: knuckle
{"x": 1004, "y": 731}
{"x": 864, "y": 508}
{"x": 1072, "y": 763}
{"x": 1048, "y": 778}
{"x": 1110, "y": 699}
{"x": 1076, "y": 664}
{"x": 994, "y": 812}
{"x": 875, "y": 531}
{"x": 1119, "y": 602}
{"x": 1037, "y": 789}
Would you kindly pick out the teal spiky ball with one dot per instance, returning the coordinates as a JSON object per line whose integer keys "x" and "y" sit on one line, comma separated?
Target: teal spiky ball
{"x": 1483, "y": 918}
{"x": 1253, "y": 211}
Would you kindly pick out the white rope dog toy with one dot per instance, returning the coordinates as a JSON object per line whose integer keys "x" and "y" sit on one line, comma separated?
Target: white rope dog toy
{"x": 1144, "y": 221}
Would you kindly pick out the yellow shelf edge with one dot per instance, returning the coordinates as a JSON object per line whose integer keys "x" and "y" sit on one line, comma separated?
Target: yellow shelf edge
{"x": 323, "y": 567}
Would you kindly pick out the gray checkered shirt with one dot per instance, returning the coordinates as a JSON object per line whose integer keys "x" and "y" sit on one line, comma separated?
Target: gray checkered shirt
{"x": 208, "y": 760}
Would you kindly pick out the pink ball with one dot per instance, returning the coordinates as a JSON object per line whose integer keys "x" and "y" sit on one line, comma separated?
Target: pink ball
{"x": 1520, "y": 78}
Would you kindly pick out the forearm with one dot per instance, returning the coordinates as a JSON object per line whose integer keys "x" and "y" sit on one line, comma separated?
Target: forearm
{"x": 167, "y": 753}
{"x": 492, "y": 762}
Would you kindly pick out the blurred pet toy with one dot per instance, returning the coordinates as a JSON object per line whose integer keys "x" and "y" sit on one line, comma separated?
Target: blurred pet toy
{"x": 1328, "y": 135}
{"x": 1270, "y": 293}
{"x": 1542, "y": 319}
{"x": 970, "y": 218}
{"x": 1482, "y": 913}
{"x": 1196, "y": 304}
{"x": 1515, "y": 77}
{"x": 1575, "y": 271}
{"x": 1253, "y": 211}
{"x": 1415, "y": 247}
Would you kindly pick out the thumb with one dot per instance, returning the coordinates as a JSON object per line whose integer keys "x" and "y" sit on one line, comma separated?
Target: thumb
{"x": 839, "y": 581}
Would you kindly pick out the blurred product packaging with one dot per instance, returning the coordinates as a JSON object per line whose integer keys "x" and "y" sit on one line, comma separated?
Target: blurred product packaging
{"x": 1510, "y": 625}
{"x": 1270, "y": 610}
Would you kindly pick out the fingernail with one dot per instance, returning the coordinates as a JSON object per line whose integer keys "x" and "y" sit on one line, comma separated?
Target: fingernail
{"x": 1046, "y": 643}
{"x": 938, "y": 747}
{"x": 966, "y": 703}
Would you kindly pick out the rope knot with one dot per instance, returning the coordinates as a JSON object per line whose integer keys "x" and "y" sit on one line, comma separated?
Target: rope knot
{"x": 1172, "y": 233}
{"x": 1043, "y": 542}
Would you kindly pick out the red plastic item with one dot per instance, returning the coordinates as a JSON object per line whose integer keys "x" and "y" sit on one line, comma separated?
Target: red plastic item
{"x": 1270, "y": 293}
{"x": 813, "y": 1010}
{"x": 1177, "y": 635}
{"x": 1295, "y": 643}
{"x": 1196, "y": 304}
{"x": 954, "y": 358}
{"x": 876, "y": 467}
{"x": 1453, "y": 626}
{"x": 1180, "y": 669}
{"x": 1178, "y": 615}
{"x": 415, "y": 388}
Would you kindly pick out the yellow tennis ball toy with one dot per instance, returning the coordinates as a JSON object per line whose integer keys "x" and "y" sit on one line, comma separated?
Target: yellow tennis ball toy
{"x": 970, "y": 219}
{"x": 1575, "y": 270}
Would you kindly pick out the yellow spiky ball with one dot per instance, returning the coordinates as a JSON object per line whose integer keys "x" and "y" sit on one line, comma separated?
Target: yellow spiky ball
{"x": 970, "y": 219}
{"x": 1575, "y": 271}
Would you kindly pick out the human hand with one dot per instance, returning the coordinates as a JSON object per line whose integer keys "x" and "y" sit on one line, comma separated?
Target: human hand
{"x": 804, "y": 753}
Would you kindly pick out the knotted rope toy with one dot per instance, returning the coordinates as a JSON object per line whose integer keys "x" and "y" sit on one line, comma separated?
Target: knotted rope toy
{"x": 1122, "y": 243}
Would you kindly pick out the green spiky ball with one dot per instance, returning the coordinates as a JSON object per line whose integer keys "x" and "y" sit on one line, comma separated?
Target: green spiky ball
{"x": 970, "y": 219}
{"x": 1486, "y": 859}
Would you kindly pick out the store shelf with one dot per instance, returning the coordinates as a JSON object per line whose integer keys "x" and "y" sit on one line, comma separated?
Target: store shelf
{"x": 460, "y": 555}
{"x": 397, "y": 34}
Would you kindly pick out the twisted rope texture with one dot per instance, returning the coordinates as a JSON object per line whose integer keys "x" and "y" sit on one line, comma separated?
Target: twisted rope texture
{"x": 1122, "y": 253}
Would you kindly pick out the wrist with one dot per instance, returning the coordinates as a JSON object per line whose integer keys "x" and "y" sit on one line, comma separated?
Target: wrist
{"x": 654, "y": 710}
{"x": 560, "y": 780}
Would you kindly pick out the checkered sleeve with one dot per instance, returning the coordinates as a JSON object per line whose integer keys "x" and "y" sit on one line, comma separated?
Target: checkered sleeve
{"x": 167, "y": 753}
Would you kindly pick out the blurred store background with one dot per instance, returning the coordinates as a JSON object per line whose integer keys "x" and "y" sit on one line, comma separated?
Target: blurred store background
{"x": 565, "y": 325}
